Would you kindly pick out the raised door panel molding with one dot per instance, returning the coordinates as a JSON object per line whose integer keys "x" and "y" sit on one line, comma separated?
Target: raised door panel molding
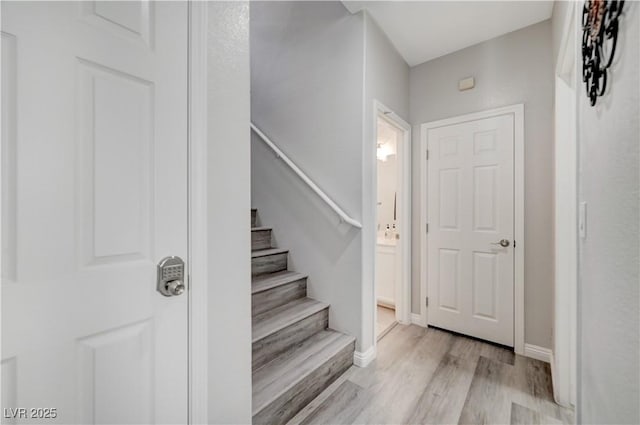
{"x": 485, "y": 198}
{"x": 132, "y": 20}
{"x": 449, "y": 217}
{"x": 484, "y": 281}
{"x": 449, "y": 280}
{"x": 115, "y": 141}
{"x": 448, "y": 146}
{"x": 484, "y": 142}
{"x": 116, "y": 370}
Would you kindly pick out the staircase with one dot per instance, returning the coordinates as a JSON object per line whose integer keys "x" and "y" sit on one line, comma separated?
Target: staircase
{"x": 295, "y": 355}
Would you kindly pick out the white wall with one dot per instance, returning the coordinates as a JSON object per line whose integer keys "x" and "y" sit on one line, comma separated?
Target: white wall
{"x": 563, "y": 25}
{"x": 557, "y": 22}
{"x": 514, "y": 68}
{"x": 387, "y": 188}
{"x": 609, "y": 257}
{"x": 306, "y": 95}
{"x": 387, "y": 81}
{"x": 229, "y": 293}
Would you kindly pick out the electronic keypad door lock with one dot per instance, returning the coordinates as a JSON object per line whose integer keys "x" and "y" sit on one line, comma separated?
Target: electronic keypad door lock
{"x": 171, "y": 276}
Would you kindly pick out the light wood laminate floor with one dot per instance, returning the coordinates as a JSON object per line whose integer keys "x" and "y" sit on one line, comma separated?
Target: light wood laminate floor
{"x": 385, "y": 321}
{"x": 429, "y": 376}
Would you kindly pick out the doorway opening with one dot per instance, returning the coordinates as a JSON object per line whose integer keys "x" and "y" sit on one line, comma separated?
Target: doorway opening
{"x": 392, "y": 267}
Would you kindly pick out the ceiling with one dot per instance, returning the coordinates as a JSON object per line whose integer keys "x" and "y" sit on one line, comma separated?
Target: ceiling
{"x": 424, "y": 30}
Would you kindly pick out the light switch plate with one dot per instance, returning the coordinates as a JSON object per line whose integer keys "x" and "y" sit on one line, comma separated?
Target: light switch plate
{"x": 582, "y": 220}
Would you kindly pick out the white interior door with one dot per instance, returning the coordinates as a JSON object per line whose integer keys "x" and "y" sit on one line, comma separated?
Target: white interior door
{"x": 470, "y": 210}
{"x": 94, "y": 194}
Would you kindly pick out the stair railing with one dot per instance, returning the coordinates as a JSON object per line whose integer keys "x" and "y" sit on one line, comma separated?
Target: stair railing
{"x": 344, "y": 217}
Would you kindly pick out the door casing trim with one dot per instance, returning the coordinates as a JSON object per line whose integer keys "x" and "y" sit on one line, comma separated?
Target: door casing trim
{"x": 517, "y": 111}
{"x": 403, "y": 248}
{"x": 197, "y": 214}
{"x": 563, "y": 363}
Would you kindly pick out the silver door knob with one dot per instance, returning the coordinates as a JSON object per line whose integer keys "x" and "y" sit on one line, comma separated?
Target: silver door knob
{"x": 502, "y": 242}
{"x": 174, "y": 287}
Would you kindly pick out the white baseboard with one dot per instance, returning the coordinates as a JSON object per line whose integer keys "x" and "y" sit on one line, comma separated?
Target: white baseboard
{"x": 361, "y": 359}
{"x": 416, "y": 319}
{"x": 386, "y": 302}
{"x": 538, "y": 353}
{"x": 554, "y": 379}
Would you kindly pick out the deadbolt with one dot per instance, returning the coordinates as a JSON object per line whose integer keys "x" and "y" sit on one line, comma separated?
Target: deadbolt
{"x": 171, "y": 276}
{"x": 502, "y": 242}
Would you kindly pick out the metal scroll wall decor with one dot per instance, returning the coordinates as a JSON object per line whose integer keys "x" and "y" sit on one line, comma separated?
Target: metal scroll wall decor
{"x": 599, "y": 38}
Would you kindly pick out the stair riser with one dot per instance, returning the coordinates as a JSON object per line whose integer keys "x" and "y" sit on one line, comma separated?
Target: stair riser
{"x": 268, "y": 348}
{"x": 275, "y": 297}
{"x": 292, "y": 401}
{"x": 254, "y": 218}
{"x": 268, "y": 264}
{"x": 260, "y": 239}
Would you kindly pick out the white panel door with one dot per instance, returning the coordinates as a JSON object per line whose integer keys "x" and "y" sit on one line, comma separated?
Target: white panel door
{"x": 471, "y": 209}
{"x": 94, "y": 194}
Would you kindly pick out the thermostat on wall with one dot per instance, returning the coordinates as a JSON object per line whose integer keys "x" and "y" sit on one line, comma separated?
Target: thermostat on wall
{"x": 466, "y": 84}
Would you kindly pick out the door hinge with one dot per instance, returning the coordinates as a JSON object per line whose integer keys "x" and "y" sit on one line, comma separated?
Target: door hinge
{"x": 426, "y": 302}
{"x": 427, "y": 154}
{"x": 427, "y": 228}
{"x": 514, "y": 243}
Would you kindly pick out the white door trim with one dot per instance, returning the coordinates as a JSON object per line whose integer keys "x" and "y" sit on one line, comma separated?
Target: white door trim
{"x": 197, "y": 214}
{"x": 518, "y": 162}
{"x": 563, "y": 363}
{"x": 403, "y": 248}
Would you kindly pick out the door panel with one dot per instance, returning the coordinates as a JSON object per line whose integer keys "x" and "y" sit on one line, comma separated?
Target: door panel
{"x": 124, "y": 354}
{"x": 94, "y": 148}
{"x": 115, "y": 111}
{"x": 484, "y": 198}
{"x": 449, "y": 199}
{"x": 470, "y": 208}
{"x": 484, "y": 285}
{"x": 449, "y": 283}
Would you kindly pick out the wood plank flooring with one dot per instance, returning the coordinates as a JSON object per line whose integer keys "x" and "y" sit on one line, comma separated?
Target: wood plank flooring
{"x": 385, "y": 321}
{"x": 429, "y": 376}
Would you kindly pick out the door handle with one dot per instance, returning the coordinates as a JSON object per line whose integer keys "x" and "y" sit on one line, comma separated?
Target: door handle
{"x": 502, "y": 242}
{"x": 173, "y": 288}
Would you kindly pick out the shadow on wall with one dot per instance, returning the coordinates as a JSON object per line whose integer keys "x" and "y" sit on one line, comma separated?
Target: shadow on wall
{"x": 331, "y": 236}
{"x": 322, "y": 247}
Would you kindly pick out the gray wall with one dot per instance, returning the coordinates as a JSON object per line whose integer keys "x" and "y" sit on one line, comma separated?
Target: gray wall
{"x": 306, "y": 95}
{"x": 315, "y": 70}
{"x": 560, "y": 9}
{"x": 514, "y": 68}
{"x": 229, "y": 293}
{"x": 609, "y": 257}
{"x": 387, "y": 81}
